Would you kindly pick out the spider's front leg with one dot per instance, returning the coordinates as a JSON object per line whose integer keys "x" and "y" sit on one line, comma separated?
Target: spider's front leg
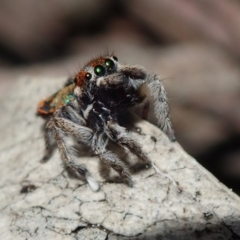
{"x": 119, "y": 135}
{"x": 140, "y": 80}
{"x": 161, "y": 108}
{"x": 108, "y": 119}
{"x": 98, "y": 116}
{"x": 108, "y": 157}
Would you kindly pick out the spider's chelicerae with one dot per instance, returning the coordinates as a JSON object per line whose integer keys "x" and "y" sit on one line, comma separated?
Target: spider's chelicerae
{"x": 88, "y": 109}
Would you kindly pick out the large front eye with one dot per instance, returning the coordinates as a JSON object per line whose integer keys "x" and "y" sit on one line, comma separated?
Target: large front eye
{"x": 99, "y": 70}
{"x": 109, "y": 64}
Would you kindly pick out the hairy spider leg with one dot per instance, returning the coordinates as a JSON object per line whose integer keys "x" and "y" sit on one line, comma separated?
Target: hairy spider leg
{"x": 108, "y": 157}
{"x": 62, "y": 127}
{"x": 161, "y": 107}
{"x": 119, "y": 135}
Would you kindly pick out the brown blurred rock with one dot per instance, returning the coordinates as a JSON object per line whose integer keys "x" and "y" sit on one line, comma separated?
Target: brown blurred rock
{"x": 211, "y": 21}
{"x": 33, "y": 30}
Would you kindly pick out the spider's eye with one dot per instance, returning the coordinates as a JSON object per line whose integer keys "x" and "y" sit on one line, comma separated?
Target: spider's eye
{"x": 109, "y": 64}
{"x": 88, "y": 76}
{"x": 99, "y": 70}
{"x": 115, "y": 58}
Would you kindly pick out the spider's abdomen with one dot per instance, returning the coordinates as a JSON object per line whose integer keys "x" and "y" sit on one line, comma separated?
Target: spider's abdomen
{"x": 58, "y": 99}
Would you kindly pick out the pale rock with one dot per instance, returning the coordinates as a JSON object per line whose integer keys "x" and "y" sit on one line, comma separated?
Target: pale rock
{"x": 174, "y": 199}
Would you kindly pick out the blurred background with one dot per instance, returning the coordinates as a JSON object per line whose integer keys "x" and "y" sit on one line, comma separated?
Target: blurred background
{"x": 193, "y": 45}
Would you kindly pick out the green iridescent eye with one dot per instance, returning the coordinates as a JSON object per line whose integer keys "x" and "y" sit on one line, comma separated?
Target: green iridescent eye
{"x": 109, "y": 64}
{"x": 99, "y": 70}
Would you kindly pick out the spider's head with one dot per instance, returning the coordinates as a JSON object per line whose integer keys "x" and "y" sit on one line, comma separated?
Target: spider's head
{"x": 98, "y": 68}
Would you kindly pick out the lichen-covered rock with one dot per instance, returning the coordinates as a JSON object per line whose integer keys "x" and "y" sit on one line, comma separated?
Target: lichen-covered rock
{"x": 175, "y": 199}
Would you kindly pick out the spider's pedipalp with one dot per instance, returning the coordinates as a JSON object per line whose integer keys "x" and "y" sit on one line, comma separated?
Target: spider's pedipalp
{"x": 133, "y": 71}
{"x": 110, "y": 81}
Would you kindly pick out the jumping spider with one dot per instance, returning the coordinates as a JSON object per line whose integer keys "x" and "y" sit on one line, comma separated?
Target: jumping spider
{"x": 88, "y": 109}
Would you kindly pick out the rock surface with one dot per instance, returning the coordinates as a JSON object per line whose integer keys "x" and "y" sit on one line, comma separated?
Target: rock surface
{"x": 175, "y": 199}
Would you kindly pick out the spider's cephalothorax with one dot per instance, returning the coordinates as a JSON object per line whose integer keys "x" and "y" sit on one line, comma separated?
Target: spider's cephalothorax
{"x": 88, "y": 107}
